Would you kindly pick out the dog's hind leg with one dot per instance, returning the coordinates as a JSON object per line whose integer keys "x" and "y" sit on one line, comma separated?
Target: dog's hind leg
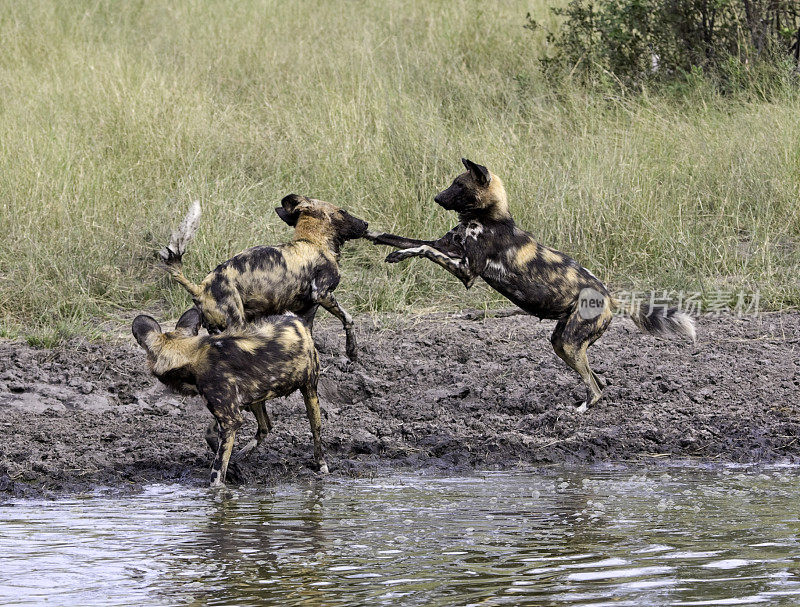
{"x": 212, "y": 436}
{"x": 264, "y": 422}
{"x": 312, "y": 410}
{"x": 233, "y": 308}
{"x": 600, "y": 325}
{"x": 328, "y": 301}
{"x": 222, "y": 305}
{"x": 571, "y": 339}
{"x": 577, "y": 359}
{"x": 601, "y": 381}
{"x": 264, "y": 428}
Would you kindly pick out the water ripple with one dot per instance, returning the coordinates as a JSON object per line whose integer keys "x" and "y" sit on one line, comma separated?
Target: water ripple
{"x": 684, "y": 536}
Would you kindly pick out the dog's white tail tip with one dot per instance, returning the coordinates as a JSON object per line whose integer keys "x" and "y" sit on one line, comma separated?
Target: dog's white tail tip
{"x": 686, "y": 326}
{"x": 185, "y": 232}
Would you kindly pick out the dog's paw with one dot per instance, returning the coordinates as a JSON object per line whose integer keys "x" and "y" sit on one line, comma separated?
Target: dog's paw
{"x": 352, "y": 350}
{"x": 344, "y": 364}
{"x": 396, "y": 256}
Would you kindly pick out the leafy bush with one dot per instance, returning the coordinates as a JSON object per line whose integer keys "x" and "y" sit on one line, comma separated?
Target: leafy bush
{"x": 632, "y": 41}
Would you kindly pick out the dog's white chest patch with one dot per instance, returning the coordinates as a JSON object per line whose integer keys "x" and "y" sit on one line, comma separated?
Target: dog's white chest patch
{"x": 474, "y": 229}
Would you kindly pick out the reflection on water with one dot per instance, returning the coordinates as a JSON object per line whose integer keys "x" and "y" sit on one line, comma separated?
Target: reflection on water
{"x": 672, "y": 536}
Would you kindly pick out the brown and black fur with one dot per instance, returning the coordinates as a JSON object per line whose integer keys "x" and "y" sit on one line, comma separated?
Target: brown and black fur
{"x": 540, "y": 280}
{"x": 298, "y": 276}
{"x": 238, "y": 369}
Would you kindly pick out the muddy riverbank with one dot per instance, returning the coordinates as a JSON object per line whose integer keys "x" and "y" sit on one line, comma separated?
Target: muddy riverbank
{"x": 436, "y": 392}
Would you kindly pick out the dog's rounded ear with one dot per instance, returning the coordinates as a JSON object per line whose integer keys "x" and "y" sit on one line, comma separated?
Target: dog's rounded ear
{"x": 294, "y": 203}
{"x": 286, "y": 217}
{"x": 291, "y": 207}
{"x": 189, "y": 322}
{"x": 143, "y": 326}
{"x": 479, "y": 172}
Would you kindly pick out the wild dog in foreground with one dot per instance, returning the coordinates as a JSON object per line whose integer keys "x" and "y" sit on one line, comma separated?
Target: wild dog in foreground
{"x": 238, "y": 369}
{"x": 540, "y": 280}
{"x": 298, "y": 276}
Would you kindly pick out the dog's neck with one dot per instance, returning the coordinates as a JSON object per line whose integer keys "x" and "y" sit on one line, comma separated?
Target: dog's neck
{"x": 319, "y": 233}
{"x": 487, "y": 217}
{"x": 492, "y": 206}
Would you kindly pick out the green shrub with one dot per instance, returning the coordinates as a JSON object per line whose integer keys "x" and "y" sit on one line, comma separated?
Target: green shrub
{"x": 630, "y": 42}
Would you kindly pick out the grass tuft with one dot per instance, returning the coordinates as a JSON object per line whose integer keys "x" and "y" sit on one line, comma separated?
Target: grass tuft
{"x": 114, "y": 116}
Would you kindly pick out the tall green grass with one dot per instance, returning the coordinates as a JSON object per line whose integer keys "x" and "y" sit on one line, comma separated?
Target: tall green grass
{"x": 114, "y": 116}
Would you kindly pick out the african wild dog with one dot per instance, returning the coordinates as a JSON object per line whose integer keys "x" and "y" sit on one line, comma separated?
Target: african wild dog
{"x": 298, "y": 276}
{"x": 235, "y": 370}
{"x": 540, "y": 280}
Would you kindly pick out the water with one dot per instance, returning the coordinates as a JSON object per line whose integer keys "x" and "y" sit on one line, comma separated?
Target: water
{"x": 666, "y": 536}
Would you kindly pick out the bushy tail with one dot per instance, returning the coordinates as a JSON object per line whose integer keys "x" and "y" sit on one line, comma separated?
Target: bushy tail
{"x": 662, "y": 321}
{"x": 172, "y": 254}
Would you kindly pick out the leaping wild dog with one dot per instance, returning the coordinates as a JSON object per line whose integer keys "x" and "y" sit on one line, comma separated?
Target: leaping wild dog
{"x": 540, "y": 280}
{"x": 238, "y": 369}
{"x": 298, "y": 276}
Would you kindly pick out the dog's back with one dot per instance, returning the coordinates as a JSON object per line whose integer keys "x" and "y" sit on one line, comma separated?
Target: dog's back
{"x": 272, "y": 357}
{"x": 269, "y": 358}
{"x": 268, "y": 280}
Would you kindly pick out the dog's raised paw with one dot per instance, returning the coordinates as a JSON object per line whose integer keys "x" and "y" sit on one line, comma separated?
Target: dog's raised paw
{"x": 395, "y": 256}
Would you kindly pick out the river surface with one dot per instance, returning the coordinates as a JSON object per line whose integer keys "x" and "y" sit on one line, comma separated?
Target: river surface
{"x": 668, "y": 535}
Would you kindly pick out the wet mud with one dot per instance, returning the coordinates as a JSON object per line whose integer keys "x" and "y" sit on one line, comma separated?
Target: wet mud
{"x": 444, "y": 393}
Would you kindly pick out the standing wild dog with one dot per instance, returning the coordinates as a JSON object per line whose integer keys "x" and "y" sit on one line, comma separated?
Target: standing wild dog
{"x": 298, "y": 276}
{"x": 540, "y": 280}
{"x": 239, "y": 369}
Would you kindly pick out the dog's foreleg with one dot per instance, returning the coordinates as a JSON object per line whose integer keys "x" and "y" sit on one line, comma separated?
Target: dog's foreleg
{"x": 456, "y": 266}
{"x": 451, "y": 244}
{"x": 328, "y": 301}
{"x": 229, "y": 422}
{"x": 399, "y": 242}
{"x": 312, "y": 410}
